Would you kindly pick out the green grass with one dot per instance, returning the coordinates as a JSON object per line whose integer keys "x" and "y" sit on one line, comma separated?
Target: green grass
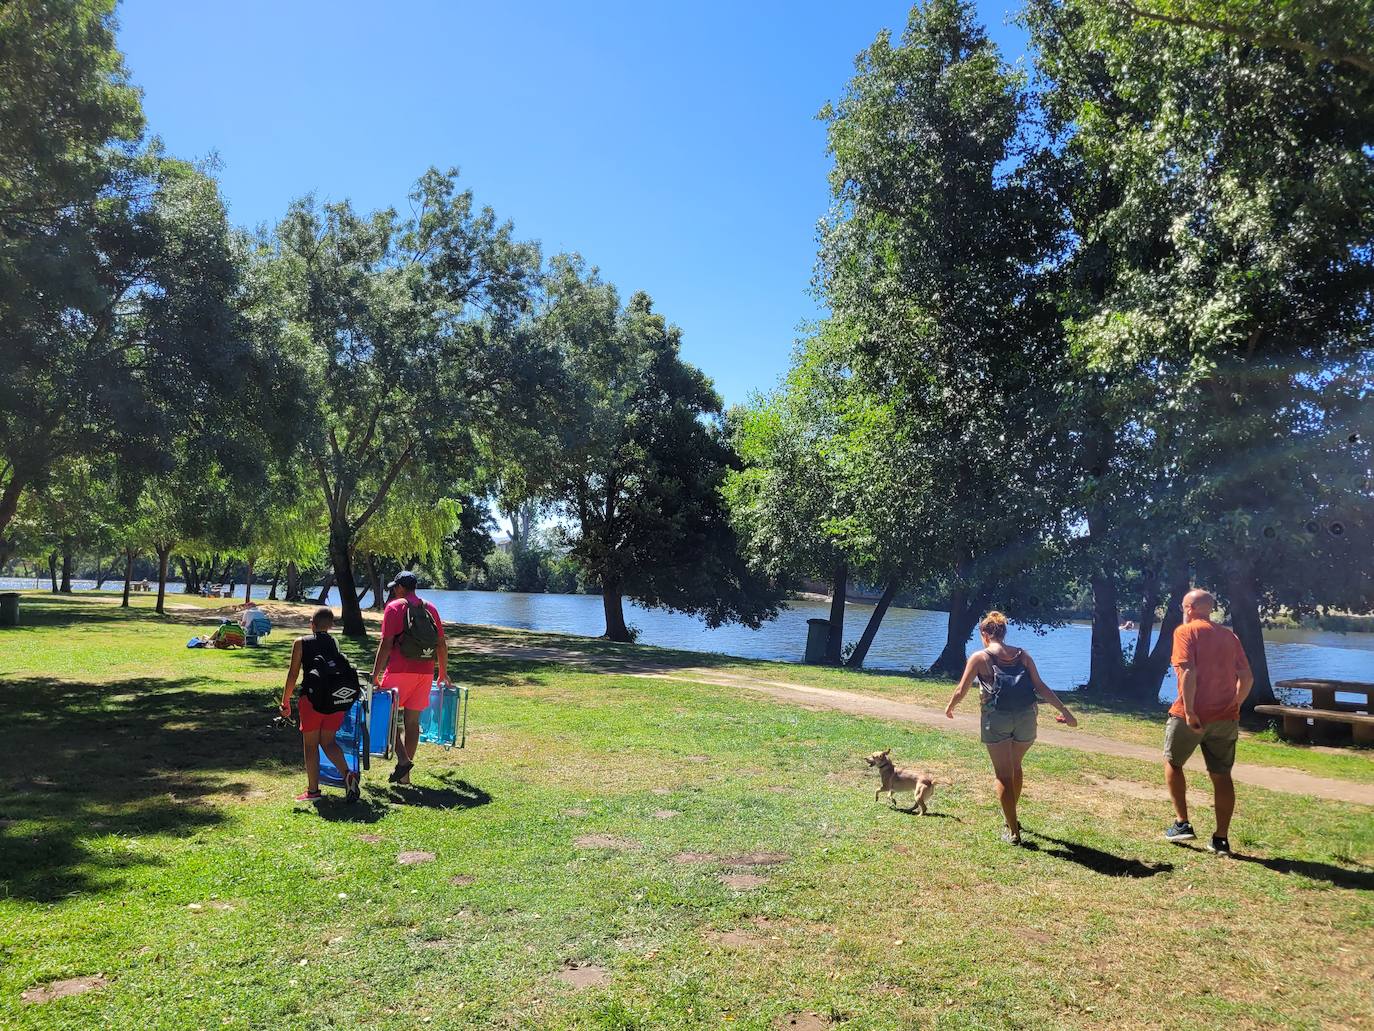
{"x": 144, "y": 779}
{"x": 1122, "y": 721}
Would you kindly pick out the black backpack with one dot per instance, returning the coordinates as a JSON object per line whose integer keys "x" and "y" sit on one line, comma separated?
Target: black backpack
{"x": 420, "y": 638}
{"x": 330, "y": 681}
{"x": 1011, "y": 686}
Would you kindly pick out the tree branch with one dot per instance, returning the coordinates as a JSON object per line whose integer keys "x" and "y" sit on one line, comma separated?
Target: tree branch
{"x": 387, "y": 481}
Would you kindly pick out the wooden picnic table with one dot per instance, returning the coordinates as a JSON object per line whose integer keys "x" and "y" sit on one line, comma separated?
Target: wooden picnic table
{"x": 1326, "y": 714}
{"x": 1324, "y": 693}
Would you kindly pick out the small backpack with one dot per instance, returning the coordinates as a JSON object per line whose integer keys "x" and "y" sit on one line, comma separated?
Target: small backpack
{"x": 1011, "y": 686}
{"x": 420, "y": 638}
{"x": 330, "y": 681}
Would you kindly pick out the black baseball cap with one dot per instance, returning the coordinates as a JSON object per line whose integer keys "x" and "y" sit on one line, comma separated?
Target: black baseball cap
{"x": 405, "y": 579}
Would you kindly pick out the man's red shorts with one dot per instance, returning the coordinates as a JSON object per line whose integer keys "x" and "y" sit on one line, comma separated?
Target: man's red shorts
{"x": 412, "y": 689}
{"x": 312, "y": 720}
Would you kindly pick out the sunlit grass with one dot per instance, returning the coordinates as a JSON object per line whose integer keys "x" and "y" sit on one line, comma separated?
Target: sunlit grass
{"x": 150, "y": 837}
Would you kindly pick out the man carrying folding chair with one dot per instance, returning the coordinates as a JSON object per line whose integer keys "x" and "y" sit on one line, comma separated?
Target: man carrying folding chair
{"x": 412, "y": 645}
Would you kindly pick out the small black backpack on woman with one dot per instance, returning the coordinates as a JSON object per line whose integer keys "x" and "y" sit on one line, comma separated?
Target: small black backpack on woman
{"x": 1011, "y": 686}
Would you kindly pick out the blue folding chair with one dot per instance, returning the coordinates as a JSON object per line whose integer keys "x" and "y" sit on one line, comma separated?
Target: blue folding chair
{"x": 368, "y": 730}
{"x": 444, "y": 721}
{"x": 258, "y": 629}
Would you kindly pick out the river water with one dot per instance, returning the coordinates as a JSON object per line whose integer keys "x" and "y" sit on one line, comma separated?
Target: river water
{"x": 909, "y": 638}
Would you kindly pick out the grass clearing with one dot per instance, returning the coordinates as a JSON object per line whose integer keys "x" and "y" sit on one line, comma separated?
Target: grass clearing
{"x": 616, "y": 852}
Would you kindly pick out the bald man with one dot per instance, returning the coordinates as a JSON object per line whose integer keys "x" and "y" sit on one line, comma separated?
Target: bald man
{"x": 1213, "y": 679}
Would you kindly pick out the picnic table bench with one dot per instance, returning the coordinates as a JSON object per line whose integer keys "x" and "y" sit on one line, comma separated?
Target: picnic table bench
{"x": 1299, "y": 721}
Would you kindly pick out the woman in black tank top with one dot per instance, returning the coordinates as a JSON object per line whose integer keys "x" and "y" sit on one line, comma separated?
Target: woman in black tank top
{"x": 1009, "y": 686}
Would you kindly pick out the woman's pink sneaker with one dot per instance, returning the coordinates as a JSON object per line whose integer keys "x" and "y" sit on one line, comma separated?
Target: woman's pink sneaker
{"x": 309, "y": 796}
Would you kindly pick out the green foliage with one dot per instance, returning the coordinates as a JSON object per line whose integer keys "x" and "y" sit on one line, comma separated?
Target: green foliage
{"x": 644, "y": 458}
{"x": 407, "y": 335}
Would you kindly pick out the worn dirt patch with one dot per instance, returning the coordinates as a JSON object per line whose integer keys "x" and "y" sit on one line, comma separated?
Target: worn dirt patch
{"x": 743, "y": 881}
{"x": 683, "y": 858}
{"x": 606, "y": 841}
{"x": 756, "y": 859}
{"x": 697, "y": 758}
{"x": 802, "y": 1022}
{"x": 583, "y": 976}
{"x": 735, "y": 939}
{"x": 664, "y": 814}
{"x": 575, "y": 813}
{"x": 414, "y": 858}
{"x": 62, "y": 989}
{"x": 462, "y": 880}
{"x": 371, "y": 839}
{"x": 1128, "y": 787}
{"x": 663, "y": 791}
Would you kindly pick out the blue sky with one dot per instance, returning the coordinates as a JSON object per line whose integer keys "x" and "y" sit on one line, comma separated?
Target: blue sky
{"x": 673, "y": 145}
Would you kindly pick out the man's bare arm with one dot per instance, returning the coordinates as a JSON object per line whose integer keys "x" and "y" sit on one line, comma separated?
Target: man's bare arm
{"x": 1245, "y": 680}
{"x": 1187, "y": 688}
{"x": 379, "y": 664}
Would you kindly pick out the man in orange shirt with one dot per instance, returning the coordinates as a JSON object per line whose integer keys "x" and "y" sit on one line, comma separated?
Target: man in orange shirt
{"x": 1213, "y": 679}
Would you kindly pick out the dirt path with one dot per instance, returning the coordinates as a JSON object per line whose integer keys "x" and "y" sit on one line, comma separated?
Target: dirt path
{"x": 1272, "y": 778}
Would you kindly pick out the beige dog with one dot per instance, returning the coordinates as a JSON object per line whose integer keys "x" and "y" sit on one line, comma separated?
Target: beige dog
{"x": 921, "y": 785}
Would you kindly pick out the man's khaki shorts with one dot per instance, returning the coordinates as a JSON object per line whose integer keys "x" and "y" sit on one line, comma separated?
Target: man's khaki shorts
{"x": 1000, "y": 725}
{"x": 1218, "y": 741}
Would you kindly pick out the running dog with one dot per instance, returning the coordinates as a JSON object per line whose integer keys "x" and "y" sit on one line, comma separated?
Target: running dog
{"x": 894, "y": 779}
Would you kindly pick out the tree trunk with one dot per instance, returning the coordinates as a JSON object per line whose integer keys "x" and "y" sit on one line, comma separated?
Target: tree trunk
{"x": 963, "y": 617}
{"x": 325, "y": 586}
{"x": 839, "y": 591}
{"x": 164, "y": 554}
{"x": 190, "y": 578}
{"x": 1145, "y": 619}
{"x": 1106, "y": 669}
{"x": 342, "y": 561}
{"x": 856, "y": 660}
{"x": 276, "y": 578}
{"x": 9, "y": 505}
{"x": 248, "y": 583}
{"x": 66, "y": 569}
{"x": 52, "y": 570}
{"x": 611, "y": 602}
{"x": 293, "y": 582}
{"x": 101, "y": 573}
{"x": 1147, "y": 677}
{"x": 129, "y": 555}
{"x": 374, "y": 580}
{"x": 1242, "y": 603}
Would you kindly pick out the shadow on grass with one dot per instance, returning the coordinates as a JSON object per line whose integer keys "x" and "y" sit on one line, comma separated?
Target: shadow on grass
{"x": 1337, "y": 876}
{"x": 455, "y": 793}
{"x": 1095, "y": 859}
{"x": 107, "y": 764}
{"x": 336, "y": 809}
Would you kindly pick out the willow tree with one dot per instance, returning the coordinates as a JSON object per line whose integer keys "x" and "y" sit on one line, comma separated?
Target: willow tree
{"x": 406, "y": 334}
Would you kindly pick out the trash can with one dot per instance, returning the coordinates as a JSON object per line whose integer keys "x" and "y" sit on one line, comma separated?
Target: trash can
{"x": 9, "y": 608}
{"x": 817, "y": 634}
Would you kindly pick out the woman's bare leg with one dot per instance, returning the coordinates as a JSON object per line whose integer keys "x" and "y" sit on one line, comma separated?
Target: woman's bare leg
{"x": 1004, "y": 772}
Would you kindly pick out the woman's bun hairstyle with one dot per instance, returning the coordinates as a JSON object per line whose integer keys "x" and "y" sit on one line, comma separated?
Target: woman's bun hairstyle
{"x": 994, "y": 625}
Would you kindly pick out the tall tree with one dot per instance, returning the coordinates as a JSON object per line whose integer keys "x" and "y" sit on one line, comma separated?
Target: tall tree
{"x": 929, "y": 260}
{"x": 1241, "y": 274}
{"x": 644, "y": 460}
{"x": 408, "y": 342}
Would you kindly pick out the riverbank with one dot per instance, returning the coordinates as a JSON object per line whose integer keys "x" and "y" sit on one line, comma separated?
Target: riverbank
{"x": 615, "y": 850}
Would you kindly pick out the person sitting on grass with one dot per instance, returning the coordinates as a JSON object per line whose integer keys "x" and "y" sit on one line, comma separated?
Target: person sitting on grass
{"x": 317, "y": 729}
{"x": 412, "y": 645}
{"x": 1008, "y": 685}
